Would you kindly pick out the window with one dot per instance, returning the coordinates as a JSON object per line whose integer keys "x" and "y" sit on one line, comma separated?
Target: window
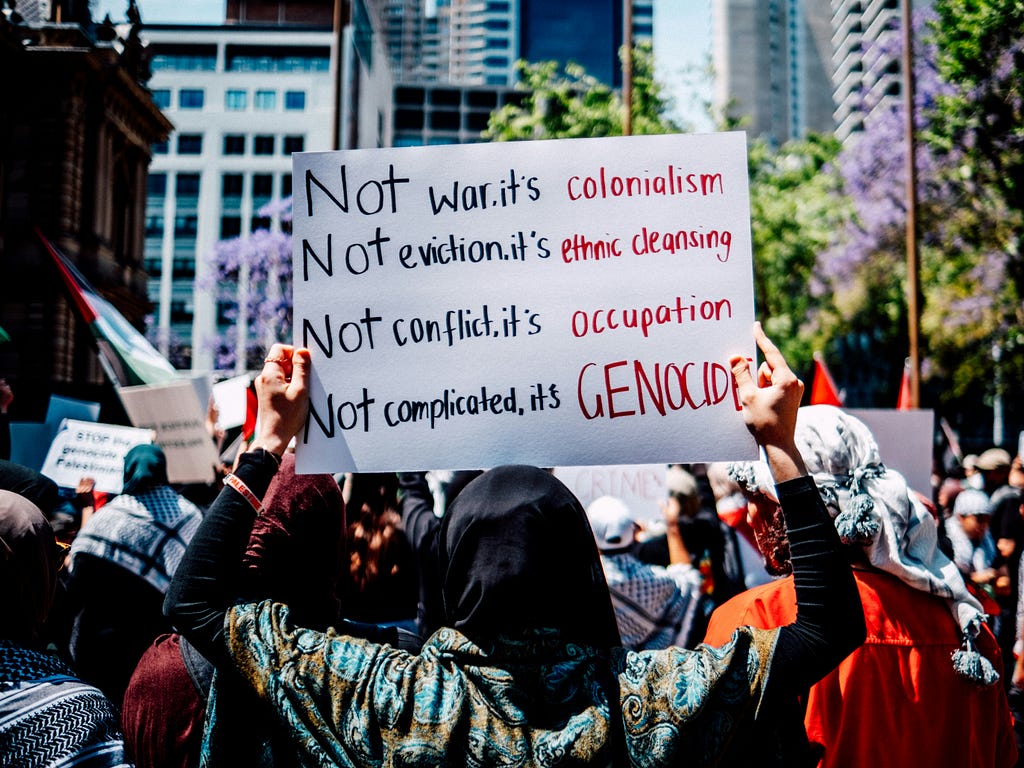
{"x": 230, "y": 226}
{"x": 162, "y": 97}
{"x": 160, "y": 148}
{"x": 155, "y": 226}
{"x": 190, "y": 144}
{"x": 180, "y": 312}
{"x": 295, "y": 100}
{"x": 262, "y": 185}
{"x": 153, "y": 267}
{"x": 156, "y": 184}
{"x": 184, "y": 267}
{"x": 265, "y": 101}
{"x": 234, "y": 144}
{"x": 260, "y": 222}
{"x": 191, "y": 98}
{"x": 293, "y": 144}
{"x": 186, "y": 226}
{"x": 187, "y": 185}
{"x": 263, "y": 145}
{"x": 236, "y": 101}
{"x": 231, "y": 185}
{"x": 286, "y": 185}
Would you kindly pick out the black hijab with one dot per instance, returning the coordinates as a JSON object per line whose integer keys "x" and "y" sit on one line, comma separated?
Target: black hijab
{"x": 145, "y": 468}
{"x": 29, "y": 560}
{"x": 516, "y": 552}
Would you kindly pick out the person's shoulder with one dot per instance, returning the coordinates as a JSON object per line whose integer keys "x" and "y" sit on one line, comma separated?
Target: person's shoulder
{"x": 764, "y": 607}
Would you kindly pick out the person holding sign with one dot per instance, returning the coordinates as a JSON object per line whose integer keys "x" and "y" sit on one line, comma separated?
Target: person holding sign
{"x": 528, "y": 669}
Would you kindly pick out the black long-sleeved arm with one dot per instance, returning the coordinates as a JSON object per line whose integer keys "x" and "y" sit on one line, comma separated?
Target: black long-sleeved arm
{"x": 421, "y": 528}
{"x": 830, "y": 619}
{"x": 206, "y": 582}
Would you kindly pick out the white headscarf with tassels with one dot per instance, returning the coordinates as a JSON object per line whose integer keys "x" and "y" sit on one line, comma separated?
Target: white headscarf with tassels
{"x": 873, "y": 507}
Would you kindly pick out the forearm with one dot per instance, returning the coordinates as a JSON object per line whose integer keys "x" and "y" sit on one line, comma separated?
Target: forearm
{"x": 830, "y": 619}
{"x": 205, "y": 583}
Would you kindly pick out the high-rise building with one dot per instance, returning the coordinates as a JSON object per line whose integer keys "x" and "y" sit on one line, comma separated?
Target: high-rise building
{"x": 773, "y": 66}
{"x": 242, "y": 98}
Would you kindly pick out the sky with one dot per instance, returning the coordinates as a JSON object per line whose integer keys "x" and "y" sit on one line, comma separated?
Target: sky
{"x": 682, "y": 42}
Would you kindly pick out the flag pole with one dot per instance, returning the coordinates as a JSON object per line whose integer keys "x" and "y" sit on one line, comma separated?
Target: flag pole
{"x": 913, "y": 311}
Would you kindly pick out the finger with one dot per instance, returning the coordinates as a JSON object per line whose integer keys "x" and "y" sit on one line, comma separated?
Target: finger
{"x": 300, "y": 364}
{"x": 771, "y": 353}
{"x": 741, "y": 375}
{"x": 764, "y": 375}
{"x": 278, "y": 361}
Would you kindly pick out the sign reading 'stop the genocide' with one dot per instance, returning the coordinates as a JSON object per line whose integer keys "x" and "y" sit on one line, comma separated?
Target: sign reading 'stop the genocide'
{"x": 566, "y": 302}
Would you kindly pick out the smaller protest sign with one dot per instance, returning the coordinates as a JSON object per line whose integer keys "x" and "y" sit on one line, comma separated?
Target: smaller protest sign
{"x": 61, "y": 408}
{"x": 229, "y": 397}
{"x": 174, "y": 414}
{"x": 641, "y": 486}
{"x": 904, "y": 441}
{"x": 86, "y": 449}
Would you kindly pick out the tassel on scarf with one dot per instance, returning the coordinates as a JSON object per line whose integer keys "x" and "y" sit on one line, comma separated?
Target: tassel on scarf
{"x": 859, "y": 523}
{"x": 972, "y": 666}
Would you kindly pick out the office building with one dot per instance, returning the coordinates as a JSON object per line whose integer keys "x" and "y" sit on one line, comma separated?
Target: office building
{"x": 773, "y": 66}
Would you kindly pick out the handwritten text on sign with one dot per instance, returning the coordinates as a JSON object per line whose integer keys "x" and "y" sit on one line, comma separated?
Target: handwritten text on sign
{"x": 564, "y": 302}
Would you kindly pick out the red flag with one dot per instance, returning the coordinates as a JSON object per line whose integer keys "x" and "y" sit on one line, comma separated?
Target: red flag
{"x": 823, "y": 388}
{"x": 903, "y": 402}
{"x": 251, "y": 409}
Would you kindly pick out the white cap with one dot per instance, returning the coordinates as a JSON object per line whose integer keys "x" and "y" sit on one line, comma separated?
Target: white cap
{"x": 611, "y": 522}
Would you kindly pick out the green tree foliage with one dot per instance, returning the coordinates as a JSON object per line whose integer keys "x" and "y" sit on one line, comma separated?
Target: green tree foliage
{"x": 567, "y": 103}
{"x": 795, "y": 214}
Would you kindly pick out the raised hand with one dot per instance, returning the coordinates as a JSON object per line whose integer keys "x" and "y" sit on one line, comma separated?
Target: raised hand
{"x": 282, "y": 390}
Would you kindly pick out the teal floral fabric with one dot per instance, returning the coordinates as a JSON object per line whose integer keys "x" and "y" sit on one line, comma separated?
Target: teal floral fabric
{"x": 529, "y": 701}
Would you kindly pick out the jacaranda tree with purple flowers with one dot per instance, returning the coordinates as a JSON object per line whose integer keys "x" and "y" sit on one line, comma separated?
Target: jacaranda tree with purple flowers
{"x": 251, "y": 277}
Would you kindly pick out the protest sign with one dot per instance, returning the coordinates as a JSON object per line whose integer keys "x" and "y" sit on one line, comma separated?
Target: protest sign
{"x": 905, "y": 440}
{"x": 30, "y": 442}
{"x": 570, "y": 302}
{"x": 642, "y": 487}
{"x": 229, "y": 397}
{"x": 60, "y": 408}
{"x": 86, "y": 449}
{"x": 174, "y": 414}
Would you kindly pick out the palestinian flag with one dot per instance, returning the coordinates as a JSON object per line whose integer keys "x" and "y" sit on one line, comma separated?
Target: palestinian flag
{"x": 4, "y": 336}
{"x": 127, "y": 357}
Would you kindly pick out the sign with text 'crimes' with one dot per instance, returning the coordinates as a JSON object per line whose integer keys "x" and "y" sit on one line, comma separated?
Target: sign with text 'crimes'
{"x": 570, "y": 302}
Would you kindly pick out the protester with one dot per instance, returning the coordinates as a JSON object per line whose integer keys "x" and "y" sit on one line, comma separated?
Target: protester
{"x": 122, "y": 561}
{"x": 296, "y": 552}
{"x": 929, "y": 657}
{"x": 529, "y": 662}
{"x": 382, "y": 587}
{"x": 974, "y": 550}
{"x": 731, "y": 505}
{"x": 1004, "y": 481}
{"x": 48, "y": 716}
{"x": 654, "y": 606}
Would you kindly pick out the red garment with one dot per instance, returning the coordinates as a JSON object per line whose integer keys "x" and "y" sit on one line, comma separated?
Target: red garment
{"x": 162, "y": 714}
{"x": 896, "y": 700}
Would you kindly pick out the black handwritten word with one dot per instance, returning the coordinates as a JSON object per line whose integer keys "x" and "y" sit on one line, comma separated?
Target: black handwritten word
{"x": 455, "y": 250}
{"x": 351, "y": 334}
{"x": 449, "y": 405}
{"x": 601, "y": 319}
{"x": 586, "y": 248}
{"x": 370, "y": 197}
{"x": 357, "y": 257}
{"x": 348, "y": 415}
{"x": 539, "y": 399}
{"x": 471, "y": 196}
{"x": 627, "y": 387}
{"x": 459, "y": 325}
{"x": 671, "y": 182}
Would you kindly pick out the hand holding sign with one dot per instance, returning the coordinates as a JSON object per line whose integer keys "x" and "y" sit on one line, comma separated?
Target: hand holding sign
{"x": 283, "y": 392}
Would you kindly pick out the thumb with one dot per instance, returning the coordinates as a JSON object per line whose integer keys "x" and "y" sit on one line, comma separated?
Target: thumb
{"x": 741, "y": 375}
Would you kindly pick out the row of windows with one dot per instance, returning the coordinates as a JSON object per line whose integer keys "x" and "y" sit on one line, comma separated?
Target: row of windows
{"x": 234, "y": 144}
{"x": 186, "y": 185}
{"x": 235, "y": 99}
{"x": 203, "y": 58}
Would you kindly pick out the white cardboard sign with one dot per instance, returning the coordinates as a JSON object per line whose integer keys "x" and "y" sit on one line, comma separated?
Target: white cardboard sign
{"x": 904, "y": 441}
{"x": 642, "y": 487}
{"x": 570, "y": 302}
{"x": 86, "y": 449}
{"x": 174, "y": 414}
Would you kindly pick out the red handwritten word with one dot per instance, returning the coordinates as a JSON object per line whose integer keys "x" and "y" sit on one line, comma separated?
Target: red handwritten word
{"x": 631, "y": 387}
{"x": 672, "y": 182}
{"x": 643, "y": 318}
{"x": 581, "y": 247}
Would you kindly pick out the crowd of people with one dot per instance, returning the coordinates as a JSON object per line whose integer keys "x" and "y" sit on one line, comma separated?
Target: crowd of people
{"x": 807, "y": 609}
